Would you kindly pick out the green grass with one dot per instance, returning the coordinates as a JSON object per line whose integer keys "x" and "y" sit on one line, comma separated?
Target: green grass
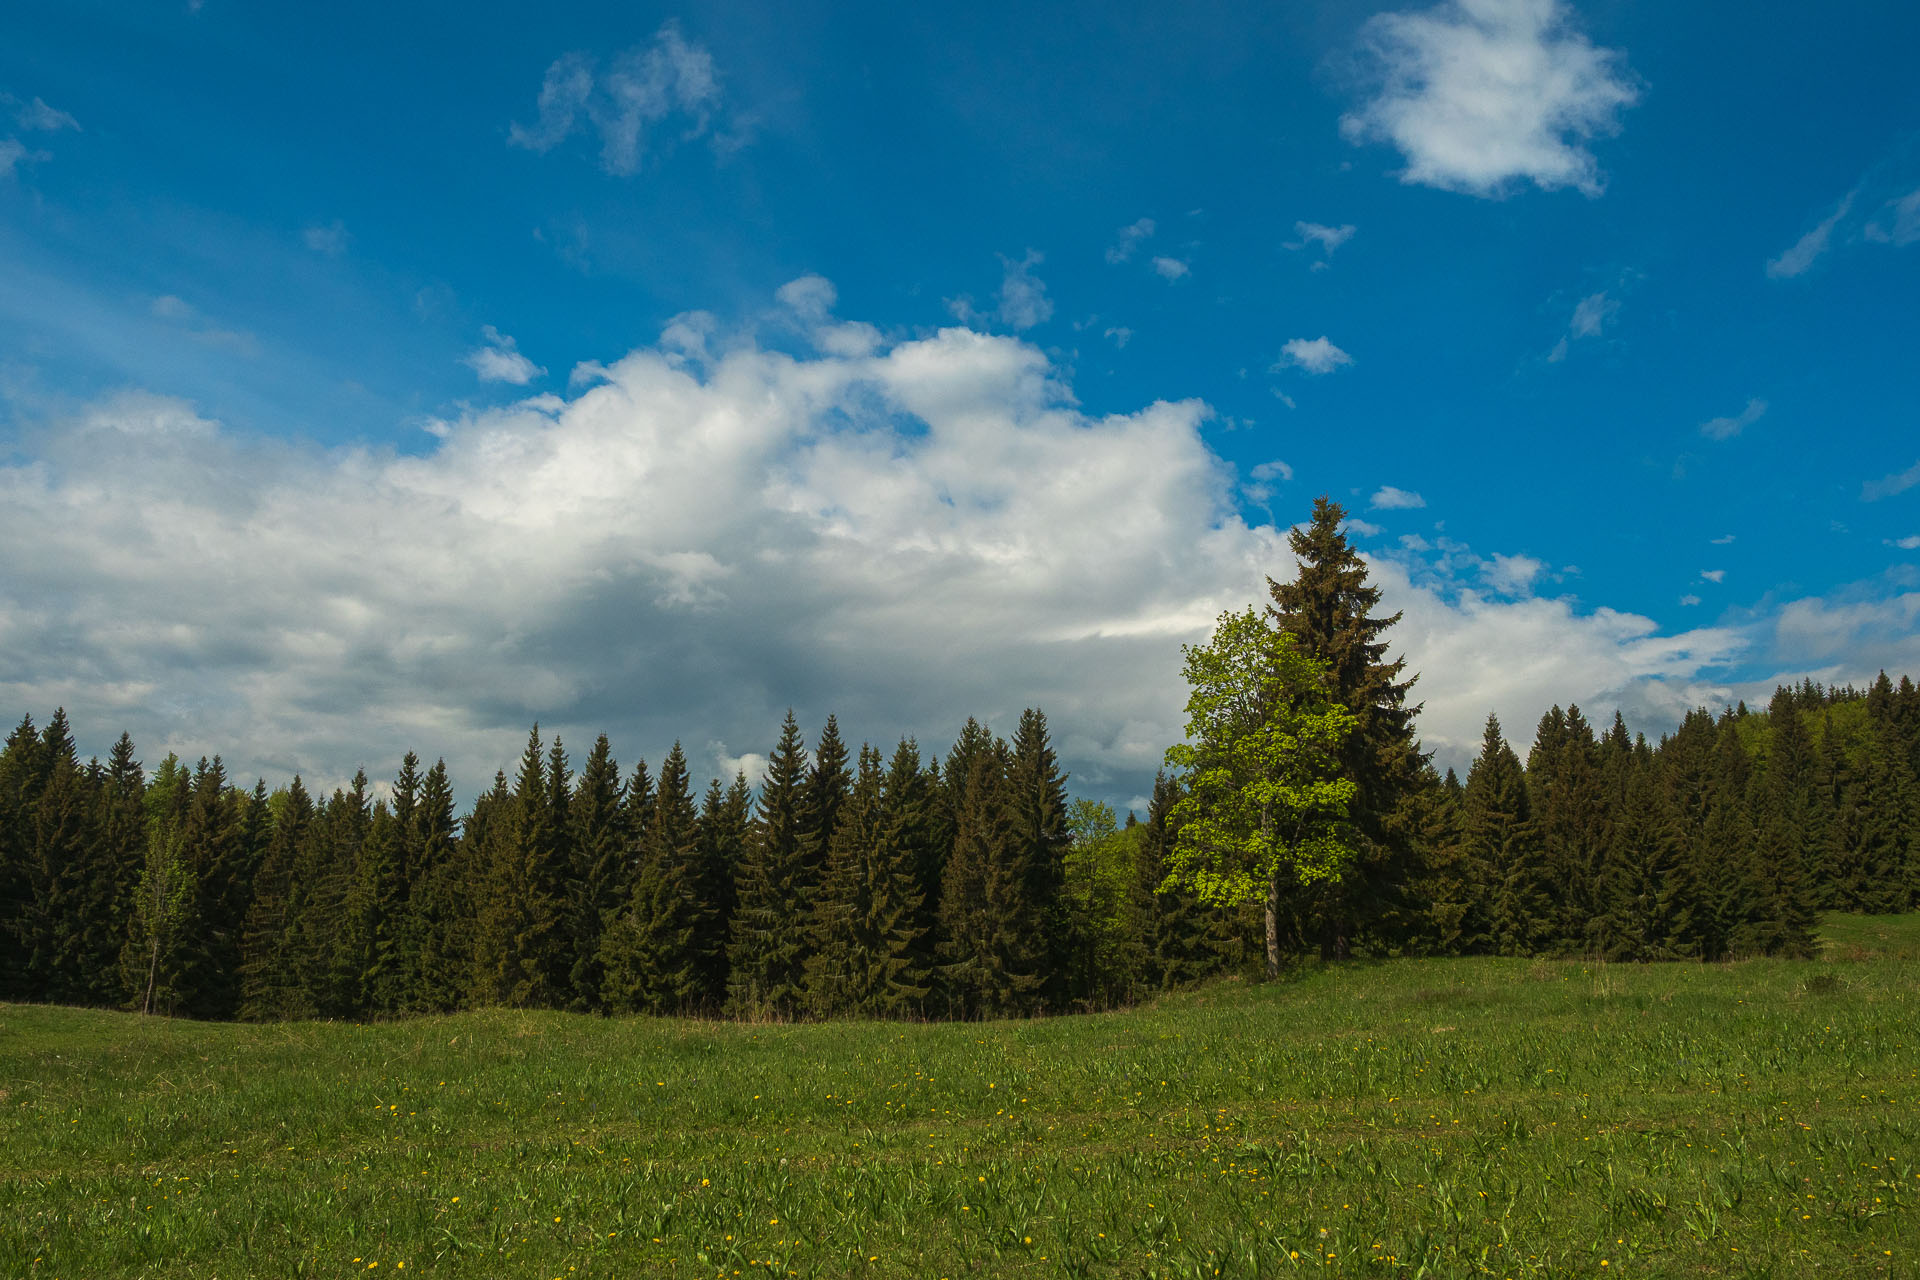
{"x": 1451, "y": 1118}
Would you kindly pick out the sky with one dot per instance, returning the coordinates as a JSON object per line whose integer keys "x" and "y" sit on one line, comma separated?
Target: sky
{"x": 393, "y": 377}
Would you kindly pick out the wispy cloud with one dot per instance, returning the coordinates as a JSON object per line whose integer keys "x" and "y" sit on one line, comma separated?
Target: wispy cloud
{"x": 330, "y": 238}
{"x": 1808, "y": 248}
{"x": 1389, "y": 498}
{"x": 1591, "y": 315}
{"x": 185, "y": 318}
{"x": 1023, "y": 296}
{"x": 1479, "y": 94}
{"x": 671, "y": 79}
{"x": 39, "y": 116}
{"x": 1314, "y": 355}
{"x": 1888, "y": 485}
{"x": 500, "y": 360}
{"x": 1170, "y": 268}
{"x": 1728, "y": 428}
{"x": 1714, "y": 575}
{"x": 1909, "y": 543}
{"x": 1128, "y": 240}
{"x": 1119, "y": 334}
{"x": 1724, "y": 539}
{"x": 1314, "y": 233}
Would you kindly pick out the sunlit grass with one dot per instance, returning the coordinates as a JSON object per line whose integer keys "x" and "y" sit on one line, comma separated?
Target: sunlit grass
{"x": 1466, "y": 1116}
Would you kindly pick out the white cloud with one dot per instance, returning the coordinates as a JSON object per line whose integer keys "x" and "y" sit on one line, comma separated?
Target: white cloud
{"x": 1591, "y": 314}
{"x": 1512, "y": 575}
{"x": 1120, "y": 334}
{"x": 1808, "y": 248}
{"x": 1388, "y": 498}
{"x": 12, "y": 152}
{"x": 1909, "y": 543}
{"x": 640, "y": 89}
{"x": 682, "y": 548}
{"x": 39, "y": 116}
{"x": 1128, "y": 239}
{"x": 1887, "y": 486}
{"x": 330, "y": 238}
{"x": 186, "y": 319}
{"x": 1023, "y": 298}
{"x": 1478, "y": 94}
{"x": 1328, "y": 238}
{"x": 1170, "y": 268}
{"x": 1728, "y": 428}
{"x": 1274, "y": 470}
{"x": 1724, "y": 539}
{"x": 500, "y": 360}
{"x": 1714, "y": 575}
{"x": 811, "y": 297}
{"x": 1689, "y": 600}
{"x": 1898, "y": 222}
{"x": 1315, "y": 355}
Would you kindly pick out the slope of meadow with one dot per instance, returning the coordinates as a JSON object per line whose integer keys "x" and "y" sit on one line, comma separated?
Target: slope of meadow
{"x": 1445, "y": 1117}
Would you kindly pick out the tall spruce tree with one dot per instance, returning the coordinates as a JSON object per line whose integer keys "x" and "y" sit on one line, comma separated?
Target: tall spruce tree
{"x": 766, "y": 949}
{"x": 1498, "y": 836}
{"x": 599, "y": 882}
{"x": 726, "y": 821}
{"x": 649, "y": 953}
{"x": 440, "y": 900}
{"x": 1329, "y": 607}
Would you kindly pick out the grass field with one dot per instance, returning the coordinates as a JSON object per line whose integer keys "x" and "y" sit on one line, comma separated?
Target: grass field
{"x": 1443, "y": 1117}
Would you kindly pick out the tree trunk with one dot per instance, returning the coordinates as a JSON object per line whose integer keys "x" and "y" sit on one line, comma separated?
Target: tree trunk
{"x": 1273, "y": 925}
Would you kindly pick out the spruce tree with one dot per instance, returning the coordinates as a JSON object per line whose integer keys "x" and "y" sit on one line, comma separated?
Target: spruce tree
{"x": 1036, "y": 924}
{"x": 1498, "y": 835}
{"x": 766, "y": 947}
{"x": 21, "y": 779}
{"x": 599, "y": 881}
{"x": 267, "y": 976}
{"x": 1329, "y": 607}
{"x": 726, "y": 820}
{"x": 649, "y": 953}
{"x": 521, "y": 958}
{"x": 1783, "y": 802}
{"x": 440, "y": 901}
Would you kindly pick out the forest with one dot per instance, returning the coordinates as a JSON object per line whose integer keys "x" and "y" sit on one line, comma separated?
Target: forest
{"x": 857, "y": 882}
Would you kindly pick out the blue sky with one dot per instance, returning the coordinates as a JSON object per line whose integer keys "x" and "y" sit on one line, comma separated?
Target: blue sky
{"x": 399, "y": 375}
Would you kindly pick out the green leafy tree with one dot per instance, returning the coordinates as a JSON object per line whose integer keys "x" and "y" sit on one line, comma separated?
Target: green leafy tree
{"x": 1330, "y": 610}
{"x": 1263, "y": 801}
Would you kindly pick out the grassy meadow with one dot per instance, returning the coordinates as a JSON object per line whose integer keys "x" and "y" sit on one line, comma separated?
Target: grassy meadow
{"x": 1438, "y": 1118}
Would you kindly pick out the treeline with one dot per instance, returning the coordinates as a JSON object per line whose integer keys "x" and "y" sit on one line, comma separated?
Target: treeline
{"x": 849, "y": 884}
{"x": 852, "y": 883}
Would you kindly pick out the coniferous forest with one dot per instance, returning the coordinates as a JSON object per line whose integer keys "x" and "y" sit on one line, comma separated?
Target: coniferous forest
{"x": 857, "y": 881}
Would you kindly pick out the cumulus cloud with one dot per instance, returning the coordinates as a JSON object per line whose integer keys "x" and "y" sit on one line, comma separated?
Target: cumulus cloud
{"x": 1714, "y": 575}
{"x": 500, "y": 360}
{"x": 1689, "y": 600}
{"x": 1478, "y": 94}
{"x": 1388, "y": 498}
{"x": 1315, "y": 355}
{"x": 1170, "y": 268}
{"x": 681, "y": 548}
{"x": 1909, "y": 543}
{"x": 1512, "y": 575}
{"x": 669, "y": 80}
{"x": 1888, "y": 485}
{"x": 1728, "y": 428}
{"x": 1128, "y": 239}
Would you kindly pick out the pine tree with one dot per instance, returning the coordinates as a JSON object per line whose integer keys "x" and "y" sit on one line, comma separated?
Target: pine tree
{"x": 213, "y": 840}
{"x": 120, "y": 826}
{"x": 1569, "y": 803}
{"x": 1329, "y": 608}
{"x": 600, "y": 882}
{"x": 1498, "y": 834}
{"x": 972, "y": 984}
{"x": 1184, "y": 940}
{"x": 520, "y": 945}
{"x": 440, "y": 900}
{"x": 649, "y": 953}
{"x": 1731, "y": 895}
{"x": 1036, "y": 925}
{"x": 765, "y": 948}
{"x": 1783, "y": 802}
{"x": 62, "y": 867}
{"x": 267, "y": 975}
{"x": 21, "y": 780}
{"x": 726, "y": 821}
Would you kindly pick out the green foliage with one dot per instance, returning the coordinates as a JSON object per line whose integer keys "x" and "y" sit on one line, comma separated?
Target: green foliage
{"x": 1263, "y": 801}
